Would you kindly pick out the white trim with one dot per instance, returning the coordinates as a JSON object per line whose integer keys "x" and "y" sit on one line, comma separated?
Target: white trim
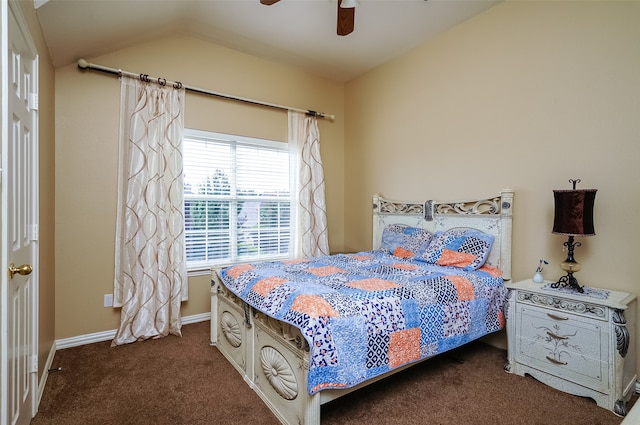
{"x": 45, "y": 374}
{"x": 76, "y": 341}
{"x": 201, "y": 271}
{"x": 38, "y": 3}
{"x": 212, "y": 136}
{"x": 196, "y": 318}
{"x": 4, "y": 208}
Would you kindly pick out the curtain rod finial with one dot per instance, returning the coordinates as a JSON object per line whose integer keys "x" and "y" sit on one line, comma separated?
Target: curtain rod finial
{"x": 82, "y": 63}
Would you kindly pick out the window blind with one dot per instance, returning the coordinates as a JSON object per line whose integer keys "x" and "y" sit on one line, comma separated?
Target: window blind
{"x": 237, "y": 194}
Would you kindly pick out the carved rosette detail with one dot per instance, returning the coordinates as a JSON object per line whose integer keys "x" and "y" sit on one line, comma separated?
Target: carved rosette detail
{"x": 279, "y": 373}
{"x": 563, "y": 304}
{"x": 622, "y": 333}
{"x": 231, "y": 329}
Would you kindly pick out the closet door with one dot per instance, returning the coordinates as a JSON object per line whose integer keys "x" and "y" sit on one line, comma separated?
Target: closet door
{"x": 20, "y": 217}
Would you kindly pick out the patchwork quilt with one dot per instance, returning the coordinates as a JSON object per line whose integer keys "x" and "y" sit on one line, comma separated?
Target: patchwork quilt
{"x": 367, "y": 313}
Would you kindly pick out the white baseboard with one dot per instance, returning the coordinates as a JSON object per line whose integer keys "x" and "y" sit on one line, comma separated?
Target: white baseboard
{"x": 45, "y": 375}
{"x": 76, "y": 341}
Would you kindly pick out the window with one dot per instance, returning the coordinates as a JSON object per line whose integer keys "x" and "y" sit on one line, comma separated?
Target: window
{"x": 237, "y": 193}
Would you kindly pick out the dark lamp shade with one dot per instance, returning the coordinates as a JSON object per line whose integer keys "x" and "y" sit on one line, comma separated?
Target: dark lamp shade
{"x": 574, "y": 212}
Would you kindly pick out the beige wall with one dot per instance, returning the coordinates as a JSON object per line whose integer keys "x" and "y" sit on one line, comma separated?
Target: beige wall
{"x": 527, "y": 95}
{"x": 87, "y": 116}
{"x": 46, "y": 181}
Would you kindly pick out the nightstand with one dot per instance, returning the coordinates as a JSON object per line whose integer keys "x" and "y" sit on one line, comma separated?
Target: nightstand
{"x": 577, "y": 343}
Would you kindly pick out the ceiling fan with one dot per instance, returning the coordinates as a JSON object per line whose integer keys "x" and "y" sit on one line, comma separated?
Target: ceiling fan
{"x": 346, "y": 15}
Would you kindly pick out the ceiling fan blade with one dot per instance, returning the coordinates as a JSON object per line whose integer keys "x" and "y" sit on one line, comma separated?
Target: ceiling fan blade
{"x": 346, "y": 19}
{"x": 269, "y": 2}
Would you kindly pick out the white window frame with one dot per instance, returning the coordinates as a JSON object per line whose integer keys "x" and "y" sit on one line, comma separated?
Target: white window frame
{"x": 194, "y": 267}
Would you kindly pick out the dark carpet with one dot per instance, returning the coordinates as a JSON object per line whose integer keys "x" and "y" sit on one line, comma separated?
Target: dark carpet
{"x": 186, "y": 381}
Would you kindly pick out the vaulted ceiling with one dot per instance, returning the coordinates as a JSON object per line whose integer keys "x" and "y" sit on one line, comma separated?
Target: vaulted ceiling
{"x": 301, "y": 33}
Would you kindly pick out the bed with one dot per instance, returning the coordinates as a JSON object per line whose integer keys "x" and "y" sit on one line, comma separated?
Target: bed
{"x": 307, "y": 331}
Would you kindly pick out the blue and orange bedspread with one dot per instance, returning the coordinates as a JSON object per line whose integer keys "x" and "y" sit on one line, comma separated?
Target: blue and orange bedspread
{"x": 367, "y": 313}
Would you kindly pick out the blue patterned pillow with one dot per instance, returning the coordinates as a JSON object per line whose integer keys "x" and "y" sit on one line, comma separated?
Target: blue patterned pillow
{"x": 459, "y": 247}
{"x": 404, "y": 241}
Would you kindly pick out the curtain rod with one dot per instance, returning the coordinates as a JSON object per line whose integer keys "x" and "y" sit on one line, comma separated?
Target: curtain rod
{"x": 83, "y": 64}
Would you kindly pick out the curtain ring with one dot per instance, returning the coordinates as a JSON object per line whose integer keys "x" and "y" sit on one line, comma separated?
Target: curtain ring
{"x": 162, "y": 81}
{"x": 177, "y": 85}
{"x": 145, "y": 78}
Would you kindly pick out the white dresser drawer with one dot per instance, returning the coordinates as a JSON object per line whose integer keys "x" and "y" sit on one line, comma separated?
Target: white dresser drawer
{"x": 566, "y": 345}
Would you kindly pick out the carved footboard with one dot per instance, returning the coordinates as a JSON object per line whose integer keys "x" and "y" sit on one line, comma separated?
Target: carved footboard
{"x": 272, "y": 356}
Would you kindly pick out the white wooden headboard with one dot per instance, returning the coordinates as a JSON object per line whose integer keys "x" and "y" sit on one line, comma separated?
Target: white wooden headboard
{"x": 491, "y": 215}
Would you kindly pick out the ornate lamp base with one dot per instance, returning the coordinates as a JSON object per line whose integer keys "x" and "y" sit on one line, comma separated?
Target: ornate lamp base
{"x": 568, "y": 281}
{"x": 570, "y": 265}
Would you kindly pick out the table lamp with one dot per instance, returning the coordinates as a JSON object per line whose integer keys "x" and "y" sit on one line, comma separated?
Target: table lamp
{"x": 573, "y": 217}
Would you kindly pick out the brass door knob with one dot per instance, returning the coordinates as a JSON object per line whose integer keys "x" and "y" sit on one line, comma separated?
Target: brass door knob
{"x": 23, "y": 270}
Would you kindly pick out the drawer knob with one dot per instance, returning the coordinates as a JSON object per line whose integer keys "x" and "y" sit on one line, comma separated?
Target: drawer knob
{"x": 555, "y": 317}
{"x": 555, "y": 336}
{"x": 554, "y": 361}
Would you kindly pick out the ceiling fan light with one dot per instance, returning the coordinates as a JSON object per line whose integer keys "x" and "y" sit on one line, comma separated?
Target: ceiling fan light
{"x": 348, "y": 4}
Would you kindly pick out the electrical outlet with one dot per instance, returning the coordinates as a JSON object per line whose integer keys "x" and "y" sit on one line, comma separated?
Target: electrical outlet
{"x": 108, "y": 300}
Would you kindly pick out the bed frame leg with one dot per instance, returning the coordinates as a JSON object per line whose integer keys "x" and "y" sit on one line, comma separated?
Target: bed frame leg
{"x": 312, "y": 412}
{"x": 215, "y": 283}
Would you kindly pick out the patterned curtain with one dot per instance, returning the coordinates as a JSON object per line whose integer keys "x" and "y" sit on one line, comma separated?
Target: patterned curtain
{"x": 150, "y": 266}
{"x": 311, "y": 224}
